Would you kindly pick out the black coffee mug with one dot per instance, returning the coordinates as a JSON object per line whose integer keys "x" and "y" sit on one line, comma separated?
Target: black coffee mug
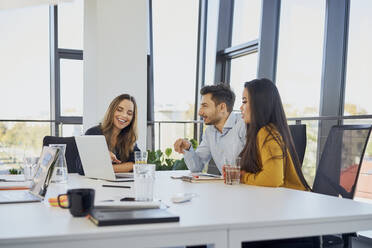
{"x": 80, "y": 201}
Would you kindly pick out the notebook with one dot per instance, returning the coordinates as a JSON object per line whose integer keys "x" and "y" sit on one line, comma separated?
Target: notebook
{"x": 96, "y": 161}
{"x": 199, "y": 177}
{"x": 40, "y": 182}
{"x": 108, "y": 217}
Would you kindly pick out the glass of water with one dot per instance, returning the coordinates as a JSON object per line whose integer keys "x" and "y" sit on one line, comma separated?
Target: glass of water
{"x": 60, "y": 168}
{"x": 140, "y": 157}
{"x": 29, "y": 167}
{"x": 144, "y": 179}
{"x": 232, "y": 173}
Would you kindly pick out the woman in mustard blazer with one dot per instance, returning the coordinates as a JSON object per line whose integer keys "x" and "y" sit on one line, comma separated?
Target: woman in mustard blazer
{"x": 269, "y": 157}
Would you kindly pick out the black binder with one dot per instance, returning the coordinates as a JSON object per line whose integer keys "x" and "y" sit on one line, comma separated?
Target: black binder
{"x": 108, "y": 217}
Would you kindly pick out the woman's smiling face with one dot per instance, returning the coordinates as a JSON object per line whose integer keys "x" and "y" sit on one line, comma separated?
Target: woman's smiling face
{"x": 123, "y": 114}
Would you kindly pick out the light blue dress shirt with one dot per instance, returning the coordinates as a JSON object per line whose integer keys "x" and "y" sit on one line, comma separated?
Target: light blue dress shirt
{"x": 225, "y": 146}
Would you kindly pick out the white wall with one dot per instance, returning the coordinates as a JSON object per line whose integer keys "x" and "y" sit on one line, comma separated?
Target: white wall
{"x": 115, "y": 50}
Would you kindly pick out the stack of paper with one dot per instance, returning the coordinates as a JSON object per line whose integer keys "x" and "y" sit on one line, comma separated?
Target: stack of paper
{"x": 14, "y": 182}
{"x": 127, "y": 204}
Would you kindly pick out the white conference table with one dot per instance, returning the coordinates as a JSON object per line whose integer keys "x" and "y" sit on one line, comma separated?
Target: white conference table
{"x": 222, "y": 215}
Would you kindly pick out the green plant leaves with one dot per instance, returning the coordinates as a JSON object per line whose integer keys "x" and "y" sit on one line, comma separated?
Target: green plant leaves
{"x": 168, "y": 151}
{"x": 14, "y": 171}
{"x": 194, "y": 143}
{"x": 163, "y": 161}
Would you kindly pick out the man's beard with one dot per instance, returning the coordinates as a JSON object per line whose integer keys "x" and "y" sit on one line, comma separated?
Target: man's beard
{"x": 213, "y": 121}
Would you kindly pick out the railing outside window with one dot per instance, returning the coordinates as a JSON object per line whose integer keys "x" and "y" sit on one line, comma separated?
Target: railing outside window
{"x": 23, "y": 138}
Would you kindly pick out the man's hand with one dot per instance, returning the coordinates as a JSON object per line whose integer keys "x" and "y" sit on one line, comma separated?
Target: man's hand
{"x": 181, "y": 144}
{"x": 114, "y": 159}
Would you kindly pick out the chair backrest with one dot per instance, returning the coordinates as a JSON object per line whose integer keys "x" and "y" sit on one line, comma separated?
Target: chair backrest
{"x": 212, "y": 168}
{"x": 339, "y": 165}
{"x": 72, "y": 155}
{"x": 298, "y": 133}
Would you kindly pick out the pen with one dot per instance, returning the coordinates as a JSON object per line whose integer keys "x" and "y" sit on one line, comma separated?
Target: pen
{"x": 116, "y": 186}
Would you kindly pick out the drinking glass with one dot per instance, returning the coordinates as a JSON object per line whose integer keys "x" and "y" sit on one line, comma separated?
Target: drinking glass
{"x": 140, "y": 157}
{"x": 60, "y": 169}
{"x": 29, "y": 167}
{"x": 144, "y": 178}
{"x": 232, "y": 172}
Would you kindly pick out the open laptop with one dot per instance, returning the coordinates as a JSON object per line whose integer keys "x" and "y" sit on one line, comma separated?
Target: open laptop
{"x": 40, "y": 182}
{"x": 96, "y": 161}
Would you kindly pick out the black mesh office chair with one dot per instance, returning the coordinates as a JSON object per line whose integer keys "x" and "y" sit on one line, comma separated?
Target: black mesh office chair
{"x": 298, "y": 133}
{"x": 339, "y": 166}
{"x": 72, "y": 154}
{"x": 337, "y": 174}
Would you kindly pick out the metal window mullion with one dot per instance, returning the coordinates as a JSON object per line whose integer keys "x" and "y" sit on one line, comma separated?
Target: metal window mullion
{"x": 77, "y": 120}
{"x": 224, "y": 36}
{"x": 240, "y": 48}
{"x": 200, "y": 62}
{"x": 150, "y": 84}
{"x": 54, "y": 70}
{"x": 269, "y": 36}
{"x": 241, "y": 53}
{"x": 70, "y": 56}
{"x": 334, "y": 64}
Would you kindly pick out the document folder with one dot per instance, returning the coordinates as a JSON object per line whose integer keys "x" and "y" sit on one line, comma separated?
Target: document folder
{"x": 108, "y": 217}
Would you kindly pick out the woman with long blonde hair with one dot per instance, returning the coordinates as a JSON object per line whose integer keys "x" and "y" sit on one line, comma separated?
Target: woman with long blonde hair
{"x": 119, "y": 127}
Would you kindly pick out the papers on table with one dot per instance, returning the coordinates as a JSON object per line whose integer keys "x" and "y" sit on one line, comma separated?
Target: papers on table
{"x": 127, "y": 204}
{"x": 198, "y": 177}
{"x": 14, "y": 182}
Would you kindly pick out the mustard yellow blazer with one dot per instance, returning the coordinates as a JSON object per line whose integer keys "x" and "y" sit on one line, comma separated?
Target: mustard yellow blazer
{"x": 273, "y": 173}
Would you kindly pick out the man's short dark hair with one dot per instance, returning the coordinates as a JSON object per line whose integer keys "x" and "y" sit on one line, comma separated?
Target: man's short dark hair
{"x": 220, "y": 93}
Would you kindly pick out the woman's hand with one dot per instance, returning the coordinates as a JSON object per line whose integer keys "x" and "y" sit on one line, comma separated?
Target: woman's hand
{"x": 114, "y": 159}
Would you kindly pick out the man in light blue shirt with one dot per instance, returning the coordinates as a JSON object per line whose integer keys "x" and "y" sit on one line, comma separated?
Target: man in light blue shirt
{"x": 224, "y": 137}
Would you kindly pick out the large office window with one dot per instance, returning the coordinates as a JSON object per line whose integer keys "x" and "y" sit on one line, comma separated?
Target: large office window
{"x": 359, "y": 82}
{"x": 246, "y": 24}
{"x": 71, "y": 75}
{"x": 211, "y": 49}
{"x": 24, "y": 63}
{"x": 300, "y": 56}
{"x": 359, "y": 63}
{"x": 70, "y": 25}
{"x": 243, "y": 69}
{"x": 24, "y": 77}
{"x": 70, "y": 56}
{"x": 175, "y": 37}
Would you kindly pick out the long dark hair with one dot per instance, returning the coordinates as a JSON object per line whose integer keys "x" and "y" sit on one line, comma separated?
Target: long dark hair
{"x": 267, "y": 112}
{"x": 127, "y": 137}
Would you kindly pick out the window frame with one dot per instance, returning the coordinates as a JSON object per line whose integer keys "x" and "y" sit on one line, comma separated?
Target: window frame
{"x": 56, "y": 54}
